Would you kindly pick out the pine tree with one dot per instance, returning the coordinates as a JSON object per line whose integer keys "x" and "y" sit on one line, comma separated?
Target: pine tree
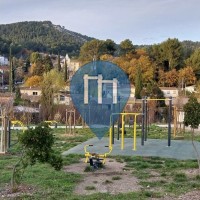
{"x": 11, "y": 74}
{"x": 59, "y": 66}
{"x": 138, "y": 83}
{"x": 66, "y": 72}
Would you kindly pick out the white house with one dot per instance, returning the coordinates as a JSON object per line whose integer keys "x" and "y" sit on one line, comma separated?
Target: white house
{"x": 72, "y": 65}
{"x": 3, "y": 60}
{"x": 169, "y": 91}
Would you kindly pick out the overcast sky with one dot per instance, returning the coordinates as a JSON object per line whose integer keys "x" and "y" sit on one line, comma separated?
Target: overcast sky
{"x": 142, "y": 21}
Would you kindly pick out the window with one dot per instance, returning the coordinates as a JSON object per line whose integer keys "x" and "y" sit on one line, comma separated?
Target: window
{"x": 62, "y": 98}
{"x": 168, "y": 92}
{"x": 35, "y": 93}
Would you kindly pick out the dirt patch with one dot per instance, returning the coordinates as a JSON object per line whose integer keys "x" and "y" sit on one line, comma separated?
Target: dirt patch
{"x": 22, "y": 190}
{"x": 191, "y": 173}
{"x": 194, "y": 195}
{"x": 111, "y": 179}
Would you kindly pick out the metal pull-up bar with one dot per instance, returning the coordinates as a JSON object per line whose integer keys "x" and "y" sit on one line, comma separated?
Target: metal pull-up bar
{"x": 144, "y": 120}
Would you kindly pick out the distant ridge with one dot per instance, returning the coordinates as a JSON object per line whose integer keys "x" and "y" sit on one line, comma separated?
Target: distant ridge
{"x": 42, "y": 36}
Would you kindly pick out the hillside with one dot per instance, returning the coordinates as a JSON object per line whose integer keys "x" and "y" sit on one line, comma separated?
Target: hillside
{"x": 41, "y": 36}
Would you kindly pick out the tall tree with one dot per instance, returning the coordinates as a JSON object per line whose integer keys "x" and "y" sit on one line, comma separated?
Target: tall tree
{"x": 58, "y": 65}
{"x": 172, "y": 54}
{"x": 66, "y": 71}
{"x": 11, "y": 73}
{"x": 48, "y": 65}
{"x": 126, "y": 46}
{"x": 52, "y": 83}
{"x": 138, "y": 83}
{"x": 146, "y": 66}
{"x": 109, "y": 47}
{"x": 91, "y": 50}
{"x": 194, "y": 62}
{"x": 186, "y": 76}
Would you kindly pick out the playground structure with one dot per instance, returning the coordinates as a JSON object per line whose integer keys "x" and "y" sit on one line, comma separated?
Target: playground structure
{"x": 69, "y": 122}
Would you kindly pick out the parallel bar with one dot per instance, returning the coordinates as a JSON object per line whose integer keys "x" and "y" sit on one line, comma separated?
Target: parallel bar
{"x": 113, "y": 130}
{"x": 110, "y": 137}
{"x": 168, "y": 99}
{"x": 169, "y": 122}
{"x": 134, "y": 133}
{"x": 122, "y": 142}
{"x": 142, "y": 136}
{"x": 145, "y": 119}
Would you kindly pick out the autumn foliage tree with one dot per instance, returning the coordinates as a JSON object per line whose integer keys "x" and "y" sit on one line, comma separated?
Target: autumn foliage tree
{"x": 33, "y": 81}
{"x": 52, "y": 82}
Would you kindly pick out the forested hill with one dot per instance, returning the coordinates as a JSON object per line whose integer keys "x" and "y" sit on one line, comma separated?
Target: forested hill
{"x": 41, "y": 36}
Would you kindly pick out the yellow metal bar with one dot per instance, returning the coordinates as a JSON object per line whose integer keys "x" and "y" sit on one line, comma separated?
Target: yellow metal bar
{"x": 134, "y": 133}
{"x": 14, "y": 122}
{"x": 157, "y": 99}
{"x": 131, "y": 113}
{"x": 110, "y": 137}
{"x": 122, "y": 142}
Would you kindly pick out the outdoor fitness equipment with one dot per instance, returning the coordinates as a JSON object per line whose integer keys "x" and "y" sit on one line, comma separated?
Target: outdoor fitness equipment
{"x": 52, "y": 122}
{"x": 96, "y": 160}
{"x": 111, "y": 140}
{"x": 145, "y": 118}
{"x": 14, "y": 122}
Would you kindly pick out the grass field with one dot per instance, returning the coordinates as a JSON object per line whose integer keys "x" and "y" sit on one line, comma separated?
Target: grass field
{"x": 43, "y": 182}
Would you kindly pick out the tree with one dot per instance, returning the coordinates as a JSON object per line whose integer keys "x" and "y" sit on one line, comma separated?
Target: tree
{"x": 65, "y": 71}
{"x": 91, "y": 50}
{"x": 138, "y": 83}
{"x": 194, "y": 61}
{"x": 192, "y": 118}
{"x": 58, "y": 65}
{"x": 172, "y": 53}
{"x": 34, "y": 81}
{"x": 34, "y": 57}
{"x": 168, "y": 54}
{"x": 146, "y": 66}
{"x": 171, "y": 78}
{"x": 36, "y": 146}
{"x": 48, "y": 65}
{"x": 18, "y": 98}
{"x": 187, "y": 76}
{"x": 11, "y": 73}
{"x": 126, "y": 46}
{"x": 109, "y": 47}
{"x": 37, "y": 68}
{"x": 27, "y": 64}
{"x": 51, "y": 84}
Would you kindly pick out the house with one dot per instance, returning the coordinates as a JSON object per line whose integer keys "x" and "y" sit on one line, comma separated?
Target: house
{"x": 3, "y": 60}
{"x": 190, "y": 89}
{"x": 170, "y": 92}
{"x": 72, "y": 65}
{"x": 62, "y": 98}
{"x": 31, "y": 93}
